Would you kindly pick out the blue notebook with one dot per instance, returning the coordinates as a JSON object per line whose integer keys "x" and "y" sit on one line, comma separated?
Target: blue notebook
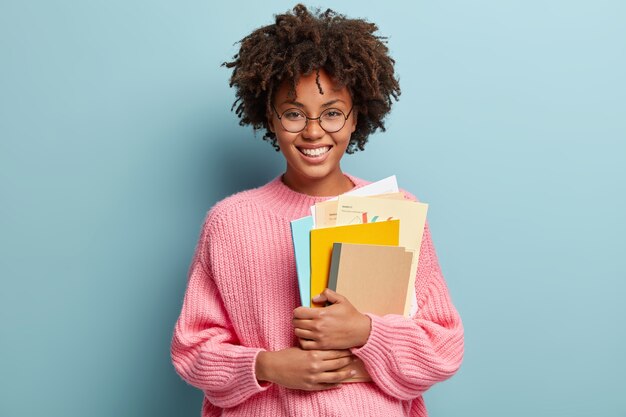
{"x": 301, "y": 237}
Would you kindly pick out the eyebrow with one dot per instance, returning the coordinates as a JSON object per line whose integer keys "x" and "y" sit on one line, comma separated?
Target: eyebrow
{"x": 327, "y": 104}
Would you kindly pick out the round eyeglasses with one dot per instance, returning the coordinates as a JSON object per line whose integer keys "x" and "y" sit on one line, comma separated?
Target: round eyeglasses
{"x": 295, "y": 120}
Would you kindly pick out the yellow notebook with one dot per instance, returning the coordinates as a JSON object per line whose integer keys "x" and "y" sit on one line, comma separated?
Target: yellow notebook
{"x": 379, "y": 233}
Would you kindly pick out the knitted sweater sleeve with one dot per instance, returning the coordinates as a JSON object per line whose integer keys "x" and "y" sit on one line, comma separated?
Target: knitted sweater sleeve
{"x": 406, "y": 356}
{"x": 205, "y": 350}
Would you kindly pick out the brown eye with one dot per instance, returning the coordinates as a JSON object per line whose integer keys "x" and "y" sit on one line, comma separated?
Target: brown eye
{"x": 332, "y": 114}
{"x": 294, "y": 115}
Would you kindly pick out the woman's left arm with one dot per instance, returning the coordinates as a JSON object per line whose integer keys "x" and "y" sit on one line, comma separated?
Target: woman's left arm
{"x": 404, "y": 356}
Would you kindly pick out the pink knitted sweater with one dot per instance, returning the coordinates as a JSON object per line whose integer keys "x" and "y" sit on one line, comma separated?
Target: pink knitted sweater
{"x": 241, "y": 292}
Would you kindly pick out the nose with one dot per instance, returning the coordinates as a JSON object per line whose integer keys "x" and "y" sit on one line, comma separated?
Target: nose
{"x": 313, "y": 130}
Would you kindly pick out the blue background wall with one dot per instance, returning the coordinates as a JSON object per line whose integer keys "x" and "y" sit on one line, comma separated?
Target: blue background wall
{"x": 116, "y": 136}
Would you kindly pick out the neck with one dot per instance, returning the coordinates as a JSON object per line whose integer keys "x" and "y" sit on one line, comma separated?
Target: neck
{"x": 330, "y": 185}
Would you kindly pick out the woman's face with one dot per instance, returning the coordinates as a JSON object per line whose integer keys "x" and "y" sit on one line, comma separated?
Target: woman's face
{"x": 313, "y": 154}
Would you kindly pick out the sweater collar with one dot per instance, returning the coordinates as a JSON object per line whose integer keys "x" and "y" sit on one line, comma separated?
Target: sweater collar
{"x": 292, "y": 204}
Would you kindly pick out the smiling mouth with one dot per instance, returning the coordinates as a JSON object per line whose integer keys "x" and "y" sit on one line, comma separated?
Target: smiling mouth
{"x": 317, "y": 152}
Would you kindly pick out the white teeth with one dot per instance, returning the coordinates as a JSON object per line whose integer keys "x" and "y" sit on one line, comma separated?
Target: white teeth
{"x": 316, "y": 151}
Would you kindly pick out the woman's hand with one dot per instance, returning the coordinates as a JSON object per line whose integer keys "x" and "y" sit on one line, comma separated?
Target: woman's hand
{"x": 310, "y": 370}
{"x": 338, "y": 326}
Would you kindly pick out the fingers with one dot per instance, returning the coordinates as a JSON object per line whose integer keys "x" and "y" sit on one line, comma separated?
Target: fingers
{"x": 331, "y": 327}
{"x": 335, "y": 377}
{"x": 304, "y": 334}
{"x": 332, "y": 296}
{"x": 303, "y": 324}
{"x": 319, "y": 299}
{"x": 321, "y": 344}
{"x": 326, "y": 369}
{"x": 304, "y": 329}
{"x": 312, "y": 343}
{"x": 327, "y": 355}
{"x": 305, "y": 313}
{"x": 331, "y": 365}
{"x": 337, "y": 364}
{"x": 328, "y": 295}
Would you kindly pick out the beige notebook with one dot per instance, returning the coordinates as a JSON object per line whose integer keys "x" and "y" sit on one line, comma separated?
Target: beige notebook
{"x": 361, "y": 373}
{"x": 326, "y": 211}
{"x": 380, "y": 233}
{"x": 374, "y": 278}
{"x": 412, "y": 216}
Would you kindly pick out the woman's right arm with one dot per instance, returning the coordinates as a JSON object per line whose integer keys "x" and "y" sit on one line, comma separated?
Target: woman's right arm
{"x": 207, "y": 354}
{"x": 205, "y": 350}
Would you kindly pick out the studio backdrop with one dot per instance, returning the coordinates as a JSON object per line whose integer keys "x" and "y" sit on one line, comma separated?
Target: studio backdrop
{"x": 117, "y": 136}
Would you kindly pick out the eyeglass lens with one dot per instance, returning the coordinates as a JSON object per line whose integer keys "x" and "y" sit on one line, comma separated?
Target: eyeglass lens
{"x": 295, "y": 120}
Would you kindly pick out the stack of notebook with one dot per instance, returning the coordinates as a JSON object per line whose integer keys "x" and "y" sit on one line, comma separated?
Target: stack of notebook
{"x": 365, "y": 246}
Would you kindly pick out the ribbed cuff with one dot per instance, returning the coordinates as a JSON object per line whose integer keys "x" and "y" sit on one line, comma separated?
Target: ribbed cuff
{"x": 380, "y": 355}
{"x": 244, "y": 375}
{"x": 377, "y": 346}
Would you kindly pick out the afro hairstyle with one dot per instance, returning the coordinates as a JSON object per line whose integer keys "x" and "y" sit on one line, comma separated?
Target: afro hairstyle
{"x": 301, "y": 42}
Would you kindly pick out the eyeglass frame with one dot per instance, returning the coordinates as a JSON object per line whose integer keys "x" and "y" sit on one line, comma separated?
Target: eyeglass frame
{"x": 306, "y": 121}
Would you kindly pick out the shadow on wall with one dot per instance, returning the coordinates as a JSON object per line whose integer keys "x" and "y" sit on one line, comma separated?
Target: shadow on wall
{"x": 246, "y": 161}
{"x": 221, "y": 164}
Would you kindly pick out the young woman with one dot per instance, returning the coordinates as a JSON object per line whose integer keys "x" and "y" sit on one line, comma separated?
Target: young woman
{"x": 319, "y": 84}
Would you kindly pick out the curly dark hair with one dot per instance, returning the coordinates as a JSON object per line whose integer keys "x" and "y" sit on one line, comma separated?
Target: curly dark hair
{"x": 301, "y": 42}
